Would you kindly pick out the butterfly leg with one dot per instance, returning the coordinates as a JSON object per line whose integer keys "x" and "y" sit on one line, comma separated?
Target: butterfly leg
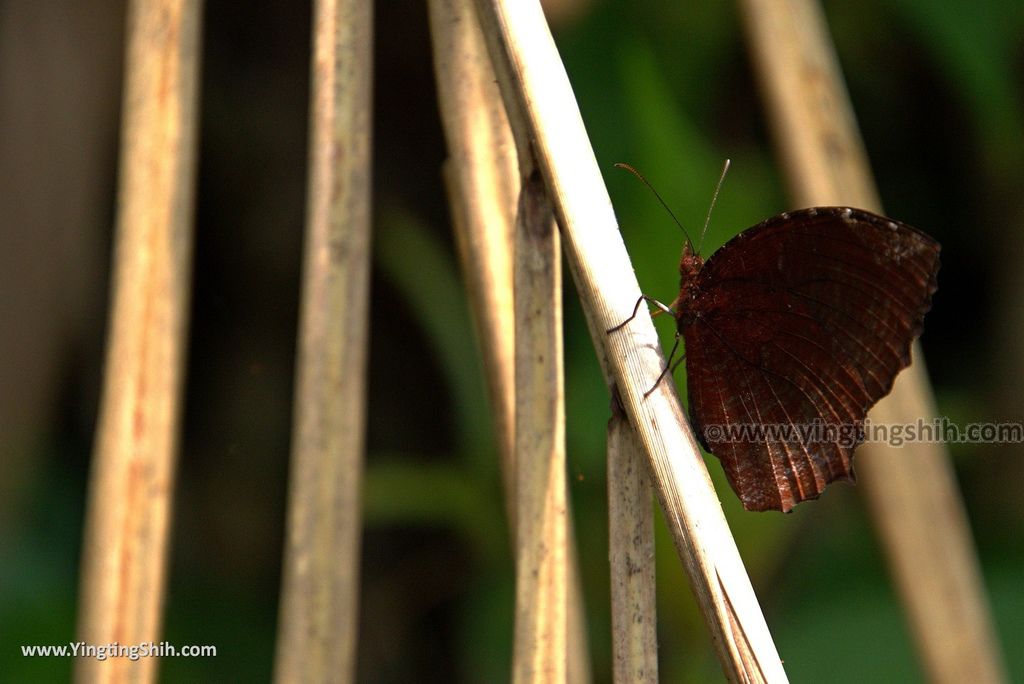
{"x": 668, "y": 365}
{"x": 661, "y": 308}
{"x": 679, "y": 360}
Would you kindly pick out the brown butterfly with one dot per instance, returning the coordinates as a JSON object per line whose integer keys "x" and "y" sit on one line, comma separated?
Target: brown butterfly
{"x": 794, "y": 330}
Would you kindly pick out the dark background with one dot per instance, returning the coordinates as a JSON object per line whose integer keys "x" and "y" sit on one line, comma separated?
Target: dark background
{"x": 665, "y": 86}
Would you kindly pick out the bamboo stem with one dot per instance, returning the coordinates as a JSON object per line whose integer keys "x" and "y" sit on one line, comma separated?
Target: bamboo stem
{"x": 631, "y": 553}
{"x": 124, "y": 555}
{"x": 549, "y": 133}
{"x": 912, "y": 493}
{"x": 539, "y": 653}
{"x": 482, "y": 177}
{"x": 483, "y": 184}
{"x": 320, "y": 592}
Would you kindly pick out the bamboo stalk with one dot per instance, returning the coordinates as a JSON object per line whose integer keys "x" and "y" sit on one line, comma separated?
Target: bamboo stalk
{"x": 320, "y": 592}
{"x": 549, "y": 133}
{"x": 911, "y": 493}
{"x": 631, "y": 553}
{"x": 483, "y": 184}
{"x": 540, "y": 648}
{"x": 482, "y": 178}
{"x": 124, "y": 555}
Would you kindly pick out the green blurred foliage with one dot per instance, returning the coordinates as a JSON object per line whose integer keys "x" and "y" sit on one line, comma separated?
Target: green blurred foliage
{"x": 666, "y": 87}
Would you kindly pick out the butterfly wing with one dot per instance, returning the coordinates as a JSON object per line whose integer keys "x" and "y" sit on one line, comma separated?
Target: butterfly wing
{"x": 799, "y": 325}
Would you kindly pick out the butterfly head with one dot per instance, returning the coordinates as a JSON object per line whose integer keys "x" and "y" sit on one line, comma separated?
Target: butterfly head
{"x": 689, "y": 266}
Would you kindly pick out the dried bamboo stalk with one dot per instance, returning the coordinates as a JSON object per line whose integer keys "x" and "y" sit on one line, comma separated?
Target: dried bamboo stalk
{"x": 320, "y": 592}
{"x": 482, "y": 177}
{"x": 549, "y": 133}
{"x": 124, "y": 555}
{"x": 542, "y": 568}
{"x": 912, "y": 492}
{"x": 631, "y": 553}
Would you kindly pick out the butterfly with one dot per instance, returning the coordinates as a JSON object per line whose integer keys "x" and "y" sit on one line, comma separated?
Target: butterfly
{"x": 793, "y": 330}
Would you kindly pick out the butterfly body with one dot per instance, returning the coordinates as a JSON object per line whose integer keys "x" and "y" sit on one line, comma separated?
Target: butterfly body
{"x": 798, "y": 324}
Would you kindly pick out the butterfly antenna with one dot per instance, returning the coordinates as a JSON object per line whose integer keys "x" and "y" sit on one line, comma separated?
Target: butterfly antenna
{"x": 650, "y": 187}
{"x": 714, "y": 198}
